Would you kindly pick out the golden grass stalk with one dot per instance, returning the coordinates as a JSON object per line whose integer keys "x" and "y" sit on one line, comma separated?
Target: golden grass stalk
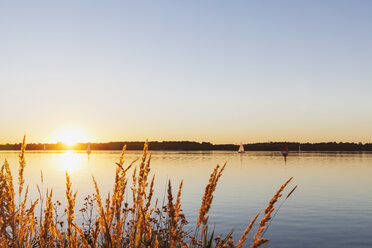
{"x": 151, "y": 192}
{"x": 22, "y": 165}
{"x": 102, "y": 220}
{"x": 46, "y": 234}
{"x": 177, "y": 205}
{"x": 290, "y": 193}
{"x": 70, "y": 210}
{"x": 9, "y": 187}
{"x": 173, "y": 211}
{"x": 30, "y": 225}
{"x": 22, "y": 218}
{"x": 121, "y": 160}
{"x": 117, "y": 201}
{"x": 84, "y": 242}
{"x": 8, "y": 211}
{"x": 139, "y": 210}
{"x": 257, "y": 238}
{"x": 208, "y": 196}
{"x": 118, "y": 196}
{"x": 243, "y": 238}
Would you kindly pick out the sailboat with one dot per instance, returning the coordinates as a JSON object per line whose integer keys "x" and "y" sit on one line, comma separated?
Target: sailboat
{"x": 44, "y": 147}
{"x": 88, "y": 150}
{"x": 285, "y": 150}
{"x": 241, "y": 148}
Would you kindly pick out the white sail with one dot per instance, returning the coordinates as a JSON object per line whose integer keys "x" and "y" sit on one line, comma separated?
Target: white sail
{"x": 241, "y": 148}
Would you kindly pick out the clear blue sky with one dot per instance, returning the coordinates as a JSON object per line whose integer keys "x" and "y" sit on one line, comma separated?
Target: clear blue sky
{"x": 219, "y": 71}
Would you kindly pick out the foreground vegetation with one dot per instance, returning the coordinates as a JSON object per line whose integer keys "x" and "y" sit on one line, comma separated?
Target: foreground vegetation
{"x": 114, "y": 222}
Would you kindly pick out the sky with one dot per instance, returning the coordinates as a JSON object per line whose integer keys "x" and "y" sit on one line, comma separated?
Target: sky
{"x": 218, "y": 71}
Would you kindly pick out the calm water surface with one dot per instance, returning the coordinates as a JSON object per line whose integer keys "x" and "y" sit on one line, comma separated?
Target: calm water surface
{"x": 332, "y": 206}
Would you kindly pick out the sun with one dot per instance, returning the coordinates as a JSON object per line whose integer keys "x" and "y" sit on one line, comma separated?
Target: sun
{"x": 71, "y": 136}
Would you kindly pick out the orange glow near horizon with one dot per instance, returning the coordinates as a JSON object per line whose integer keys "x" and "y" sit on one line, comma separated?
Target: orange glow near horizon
{"x": 70, "y": 137}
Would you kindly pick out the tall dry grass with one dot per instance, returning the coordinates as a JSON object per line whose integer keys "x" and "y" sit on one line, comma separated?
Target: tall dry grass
{"x": 112, "y": 221}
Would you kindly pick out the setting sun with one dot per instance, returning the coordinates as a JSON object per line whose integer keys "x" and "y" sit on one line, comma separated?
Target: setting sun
{"x": 71, "y": 136}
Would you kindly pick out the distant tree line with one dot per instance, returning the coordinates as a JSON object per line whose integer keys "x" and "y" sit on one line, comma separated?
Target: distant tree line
{"x": 198, "y": 146}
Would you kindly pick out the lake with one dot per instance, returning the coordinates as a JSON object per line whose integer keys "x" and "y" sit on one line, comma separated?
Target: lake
{"x": 332, "y": 206}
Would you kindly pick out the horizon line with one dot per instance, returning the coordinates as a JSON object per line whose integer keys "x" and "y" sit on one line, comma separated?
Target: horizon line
{"x": 188, "y": 141}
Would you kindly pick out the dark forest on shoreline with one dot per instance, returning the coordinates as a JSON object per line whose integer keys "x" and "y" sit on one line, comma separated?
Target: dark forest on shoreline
{"x": 197, "y": 146}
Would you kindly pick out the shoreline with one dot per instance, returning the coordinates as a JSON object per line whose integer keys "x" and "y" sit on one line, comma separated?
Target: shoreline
{"x": 293, "y": 147}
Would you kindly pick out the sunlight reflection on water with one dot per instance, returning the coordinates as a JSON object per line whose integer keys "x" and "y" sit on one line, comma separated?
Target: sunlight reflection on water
{"x": 70, "y": 161}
